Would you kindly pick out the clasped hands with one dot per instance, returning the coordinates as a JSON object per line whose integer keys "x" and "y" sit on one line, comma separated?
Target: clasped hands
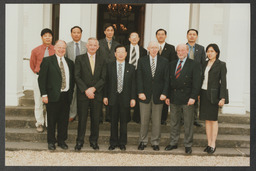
{"x": 90, "y": 92}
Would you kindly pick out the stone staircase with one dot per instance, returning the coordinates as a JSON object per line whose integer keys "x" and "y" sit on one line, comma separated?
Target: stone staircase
{"x": 20, "y": 134}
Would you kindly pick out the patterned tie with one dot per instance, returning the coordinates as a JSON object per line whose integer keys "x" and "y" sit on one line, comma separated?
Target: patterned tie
{"x": 46, "y": 52}
{"x": 119, "y": 79}
{"x": 133, "y": 59}
{"x": 63, "y": 83}
{"x": 77, "y": 50}
{"x": 177, "y": 74}
{"x": 92, "y": 64}
{"x": 109, "y": 45}
{"x": 160, "y": 50}
{"x": 191, "y": 53}
{"x": 153, "y": 67}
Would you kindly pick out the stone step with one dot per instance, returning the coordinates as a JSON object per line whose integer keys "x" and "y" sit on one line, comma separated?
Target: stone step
{"x": 223, "y": 118}
{"x": 26, "y": 101}
{"x": 224, "y": 128}
{"x": 30, "y": 135}
{"x": 130, "y": 149}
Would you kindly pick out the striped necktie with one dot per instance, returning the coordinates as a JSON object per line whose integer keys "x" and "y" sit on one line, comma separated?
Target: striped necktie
{"x": 119, "y": 79}
{"x": 177, "y": 74}
{"x": 153, "y": 67}
{"x": 63, "y": 82}
{"x": 133, "y": 59}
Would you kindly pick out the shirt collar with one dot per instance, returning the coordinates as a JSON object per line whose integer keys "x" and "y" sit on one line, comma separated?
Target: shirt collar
{"x": 76, "y": 42}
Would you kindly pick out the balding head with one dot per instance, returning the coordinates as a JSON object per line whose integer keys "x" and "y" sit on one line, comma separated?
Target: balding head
{"x": 60, "y": 48}
{"x": 182, "y": 51}
{"x": 153, "y": 48}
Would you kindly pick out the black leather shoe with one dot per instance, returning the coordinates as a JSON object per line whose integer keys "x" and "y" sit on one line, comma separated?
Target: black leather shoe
{"x": 163, "y": 122}
{"x": 155, "y": 147}
{"x": 188, "y": 150}
{"x": 122, "y": 147}
{"x": 197, "y": 124}
{"x": 141, "y": 146}
{"x": 211, "y": 150}
{"x": 51, "y": 146}
{"x": 94, "y": 146}
{"x": 78, "y": 146}
{"x": 170, "y": 147}
{"x": 206, "y": 149}
{"x": 63, "y": 145}
{"x": 111, "y": 147}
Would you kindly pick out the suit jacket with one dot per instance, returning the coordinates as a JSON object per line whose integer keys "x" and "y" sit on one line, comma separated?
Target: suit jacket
{"x": 187, "y": 85}
{"x": 152, "y": 86}
{"x": 50, "y": 79}
{"x": 217, "y": 81}
{"x": 70, "y": 50}
{"x": 199, "y": 54}
{"x": 129, "y": 83}
{"x": 108, "y": 54}
{"x": 169, "y": 52}
{"x": 85, "y": 79}
{"x": 142, "y": 52}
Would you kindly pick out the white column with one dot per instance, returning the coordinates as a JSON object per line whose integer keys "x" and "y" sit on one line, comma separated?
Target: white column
{"x": 14, "y": 51}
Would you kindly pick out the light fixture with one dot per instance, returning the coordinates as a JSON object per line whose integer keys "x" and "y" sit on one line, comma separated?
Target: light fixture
{"x": 122, "y": 10}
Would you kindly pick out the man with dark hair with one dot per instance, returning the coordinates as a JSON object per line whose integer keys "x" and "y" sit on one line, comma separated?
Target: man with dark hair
{"x": 134, "y": 52}
{"x": 37, "y": 55}
{"x": 197, "y": 53}
{"x": 168, "y": 51}
{"x": 107, "y": 51}
{"x": 56, "y": 83}
{"x": 75, "y": 48}
{"x": 90, "y": 73}
{"x": 119, "y": 95}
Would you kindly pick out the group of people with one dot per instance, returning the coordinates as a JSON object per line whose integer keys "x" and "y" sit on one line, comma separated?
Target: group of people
{"x": 75, "y": 79}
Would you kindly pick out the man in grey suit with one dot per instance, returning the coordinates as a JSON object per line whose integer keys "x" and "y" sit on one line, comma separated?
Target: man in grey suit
{"x": 197, "y": 53}
{"x": 75, "y": 48}
{"x": 152, "y": 87}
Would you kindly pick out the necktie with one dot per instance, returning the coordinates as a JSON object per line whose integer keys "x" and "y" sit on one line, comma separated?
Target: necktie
{"x": 160, "y": 50}
{"x": 63, "y": 82}
{"x": 92, "y": 64}
{"x": 177, "y": 74}
{"x": 119, "y": 79}
{"x": 191, "y": 53}
{"x": 77, "y": 49}
{"x": 46, "y": 52}
{"x": 133, "y": 59}
{"x": 153, "y": 67}
{"x": 109, "y": 45}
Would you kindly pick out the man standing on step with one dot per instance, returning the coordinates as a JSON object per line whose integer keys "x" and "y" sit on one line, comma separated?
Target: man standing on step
{"x": 107, "y": 51}
{"x": 119, "y": 94}
{"x": 134, "y": 52}
{"x": 75, "y": 48}
{"x": 152, "y": 87}
{"x": 37, "y": 55}
{"x": 168, "y": 51}
{"x": 185, "y": 81}
{"x": 90, "y": 73}
{"x": 56, "y": 83}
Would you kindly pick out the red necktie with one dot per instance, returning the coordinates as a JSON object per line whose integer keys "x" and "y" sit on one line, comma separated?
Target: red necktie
{"x": 177, "y": 74}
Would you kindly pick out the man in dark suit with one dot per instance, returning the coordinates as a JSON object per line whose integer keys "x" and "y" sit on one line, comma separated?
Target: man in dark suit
{"x": 107, "y": 51}
{"x": 119, "y": 94}
{"x": 56, "y": 84}
{"x": 168, "y": 51}
{"x": 134, "y": 52}
{"x": 90, "y": 73}
{"x": 152, "y": 88}
{"x": 197, "y": 53}
{"x": 185, "y": 82}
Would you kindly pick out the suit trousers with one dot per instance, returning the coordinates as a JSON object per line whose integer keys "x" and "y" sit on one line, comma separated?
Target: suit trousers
{"x": 118, "y": 112}
{"x": 176, "y": 113}
{"x": 39, "y": 106}
{"x": 73, "y": 105}
{"x": 95, "y": 108}
{"x": 196, "y": 109}
{"x": 150, "y": 111}
{"x": 164, "y": 112}
{"x": 136, "y": 112}
{"x": 58, "y": 114}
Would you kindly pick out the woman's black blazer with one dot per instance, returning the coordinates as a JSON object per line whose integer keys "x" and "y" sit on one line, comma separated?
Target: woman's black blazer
{"x": 217, "y": 82}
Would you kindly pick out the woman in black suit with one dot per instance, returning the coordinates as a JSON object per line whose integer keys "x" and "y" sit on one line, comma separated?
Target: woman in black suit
{"x": 213, "y": 93}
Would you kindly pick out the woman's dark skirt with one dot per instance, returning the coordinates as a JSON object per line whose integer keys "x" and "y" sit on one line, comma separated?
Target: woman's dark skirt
{"x": 208, "y": 111}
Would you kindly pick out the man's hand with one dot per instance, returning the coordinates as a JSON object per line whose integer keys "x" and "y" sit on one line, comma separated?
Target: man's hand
{"x": 191, "y": 102}
{"x": 132, "y": 103}
{"x": 90, "y": 92}
{"x": 162, "y": 97}
{"x": 142, "y": 96}
{"x": 105, "y": 101}
{"x": 167, "y": 102}
{"x": 45, "y": 99}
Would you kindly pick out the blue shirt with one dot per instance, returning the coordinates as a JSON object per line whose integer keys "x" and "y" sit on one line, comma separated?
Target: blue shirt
{"x": 190, "y": 48}
{"x": 182, "y": 64}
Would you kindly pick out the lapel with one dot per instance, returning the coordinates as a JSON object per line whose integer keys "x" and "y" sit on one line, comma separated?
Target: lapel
{"x": 105, "y": 44}
{"x": 56, "y": 64}
{"x": 196, "y": 51}
{"x": 148, "y": 65}
{"x": 164, "y": 49}
{"x": 126, "y": 72}
{"x": 97, "y": 63}
{"x": 71, "y": 49}
{"x": 87, "y": 62}
{"x": 83, "y": 48}
{"x": 184, "y": 68}
{"x": 158, "y": 63}
{"x": 128, "y": 52}
{"x": 115, "y": 75}
{"x": 216, "y": 63}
